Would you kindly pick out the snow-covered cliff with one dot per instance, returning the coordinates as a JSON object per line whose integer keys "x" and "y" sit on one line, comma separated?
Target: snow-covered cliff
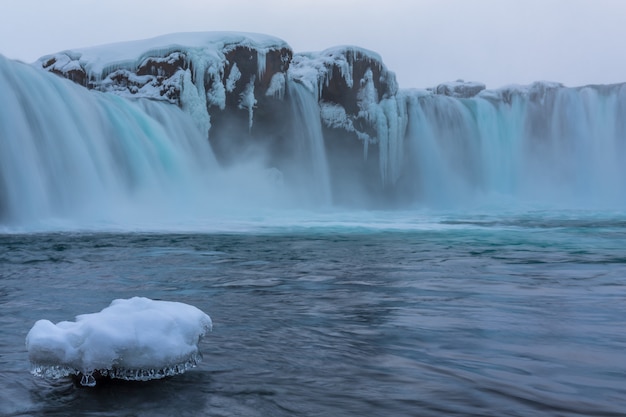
{"x": 197, "y": 71}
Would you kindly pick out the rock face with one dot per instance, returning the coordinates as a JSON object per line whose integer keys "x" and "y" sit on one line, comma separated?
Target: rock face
{"x": 171, "y": 67}
{"x": 155, "y": 77}
{"x": 253, "y": 85}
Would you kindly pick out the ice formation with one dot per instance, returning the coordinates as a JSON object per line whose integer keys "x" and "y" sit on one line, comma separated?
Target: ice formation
{"x": 132, "y": 339}
{"x": 248, "y": 101}
{"x": 317, "y": 69}
{"x": 460, "y": 88}
{"x": 369, "y": 85}
{"x": 176, "y": 68}
{"x": 100, "y": 61}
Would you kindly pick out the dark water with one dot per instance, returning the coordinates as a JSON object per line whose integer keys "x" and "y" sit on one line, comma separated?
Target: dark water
{"x": 477, "y": 316}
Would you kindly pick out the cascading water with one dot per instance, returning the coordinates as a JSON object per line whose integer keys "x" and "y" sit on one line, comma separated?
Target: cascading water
{"x": 505, "y": 293}
{"x": 69, "y": 156}
{"x": 67, "y": 153}
{"x": 555, "y": 146}
{"x": 74, "y": 158}
{"x": 310, "y": 150}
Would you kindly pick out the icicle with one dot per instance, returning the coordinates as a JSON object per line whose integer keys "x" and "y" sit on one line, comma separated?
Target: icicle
{"x": 248, "y": 101}
{"x": 193, "y": 101}
{"x": 216, "y": 96}
{"x": 261, "y": 62}
{"x": 87, "y": 380}
{"x": 276, "y": 88}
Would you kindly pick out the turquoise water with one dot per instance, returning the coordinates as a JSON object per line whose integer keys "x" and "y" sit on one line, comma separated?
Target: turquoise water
{"x": 373, "y": 313}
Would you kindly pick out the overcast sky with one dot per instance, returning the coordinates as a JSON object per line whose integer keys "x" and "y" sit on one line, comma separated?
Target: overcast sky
{"x": 424, "y": 42}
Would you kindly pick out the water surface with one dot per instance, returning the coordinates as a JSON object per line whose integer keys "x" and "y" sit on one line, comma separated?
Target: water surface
{"x": 485, "y": 315}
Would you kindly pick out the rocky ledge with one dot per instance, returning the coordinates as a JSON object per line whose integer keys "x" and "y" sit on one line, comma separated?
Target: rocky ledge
{"x": 197, "y": 71}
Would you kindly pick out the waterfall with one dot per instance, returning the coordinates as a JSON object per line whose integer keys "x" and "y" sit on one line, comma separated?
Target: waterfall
{"x": 312, "y": 166}
{"x": 556, "y": 146}
{"x": 75, "y": 158}
{"x": 67, "y": 153}
{"x": 70, "y": 156}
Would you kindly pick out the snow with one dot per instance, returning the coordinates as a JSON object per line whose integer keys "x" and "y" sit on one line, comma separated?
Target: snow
{"x": 100, "y": 60}
{"x": 204, "y": 54}
{"x": 460, "y": 88}
{"x": 133, "y": 339}
{"x": 315, "y": 69}
{"x": 335, "y": 116}
{"x": 233, "y": 77}
{"x": 64, "y": 63}
{"x": 277, "y": 86}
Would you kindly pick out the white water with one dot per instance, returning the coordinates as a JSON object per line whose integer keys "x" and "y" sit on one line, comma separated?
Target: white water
{"x": 307, "y": 133}
{"x": 563, "y": 149}
{"x": 69, "y": 153}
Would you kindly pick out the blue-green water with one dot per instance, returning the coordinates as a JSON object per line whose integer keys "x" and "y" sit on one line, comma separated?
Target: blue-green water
{"x": 448, "y": 315}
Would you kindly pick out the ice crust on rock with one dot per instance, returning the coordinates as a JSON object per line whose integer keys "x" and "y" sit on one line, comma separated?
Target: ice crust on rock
{"x": 132, "y": 339}
{"x": 367, "y": 97}
{"x": 460, "y": 89}
{"x": 174, "y": 68}
{"x": 99, "y": 61}
{"x": 315, "y": 69}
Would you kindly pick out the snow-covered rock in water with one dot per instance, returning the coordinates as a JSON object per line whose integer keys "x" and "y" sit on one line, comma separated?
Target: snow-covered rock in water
{"x": 460, "y": 89}
{"x": 132, "y": 339}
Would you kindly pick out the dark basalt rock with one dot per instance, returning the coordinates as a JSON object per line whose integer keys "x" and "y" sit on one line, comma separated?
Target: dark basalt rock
{"x": 335, "y": 88}
{"x": 233, "y": 132}
{"x": 164, "y": 67}
{"x": 74, "y": 73}
{"x": 161, "y": 75}
{"x": 163, "y": 72}
{"x": 247, "y": 61}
